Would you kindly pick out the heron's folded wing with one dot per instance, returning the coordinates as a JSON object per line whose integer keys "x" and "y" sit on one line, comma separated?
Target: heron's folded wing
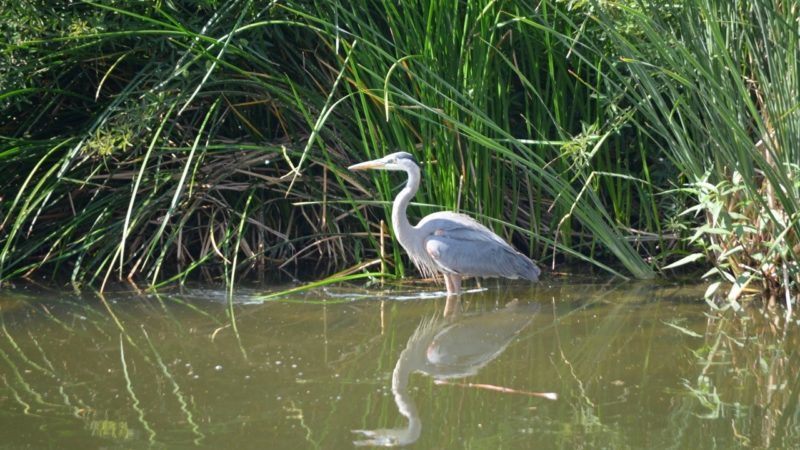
{"x": 466, "y": 251}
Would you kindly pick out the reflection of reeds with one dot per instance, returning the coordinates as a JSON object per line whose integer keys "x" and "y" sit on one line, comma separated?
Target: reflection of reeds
{"x": 176, "y": 390}
{"x": 151, "y": 434}
{"x": 750, "y": 359}
{"x": 49, "y": 371}
{"x": 19, "y": 351}
{"x": 53, "y": 365}
{"x": 26, "y": 408}
{"x": 20, "y": 381}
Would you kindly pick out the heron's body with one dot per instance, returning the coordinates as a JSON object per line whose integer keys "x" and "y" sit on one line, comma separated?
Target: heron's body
{"x": 454, "y": 244}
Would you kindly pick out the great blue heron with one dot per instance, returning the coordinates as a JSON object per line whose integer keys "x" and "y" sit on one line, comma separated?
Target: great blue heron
{"x": 447, "y": 242}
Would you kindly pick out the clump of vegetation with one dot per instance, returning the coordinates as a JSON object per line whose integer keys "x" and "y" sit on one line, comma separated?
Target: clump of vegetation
{"x": 154, "y": 140}
{"x": 751, "y": 245}
{"x": 716, "y": 88}
{"x": 149, "y": 141}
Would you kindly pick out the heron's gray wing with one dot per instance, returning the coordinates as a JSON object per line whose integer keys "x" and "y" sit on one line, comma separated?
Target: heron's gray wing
{"x": 450, "y": 221}
{"x": 466, "y": 250}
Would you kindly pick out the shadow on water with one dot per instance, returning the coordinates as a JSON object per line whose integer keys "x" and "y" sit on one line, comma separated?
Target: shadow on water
{"x": 635, "y": 365}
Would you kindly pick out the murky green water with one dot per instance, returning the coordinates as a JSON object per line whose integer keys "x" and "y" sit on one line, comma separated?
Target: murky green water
{"x": 633, "y": 366}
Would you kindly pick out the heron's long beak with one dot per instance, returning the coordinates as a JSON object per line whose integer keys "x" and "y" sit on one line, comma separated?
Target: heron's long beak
{"x": 374, "y": 164}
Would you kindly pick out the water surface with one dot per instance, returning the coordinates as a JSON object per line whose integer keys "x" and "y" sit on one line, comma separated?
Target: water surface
{"x": 634, "y": 365}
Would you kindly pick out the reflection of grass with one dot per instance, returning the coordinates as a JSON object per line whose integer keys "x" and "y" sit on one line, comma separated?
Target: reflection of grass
{"x": 587, "y": 423}
{"x": 151, "y": 435}
{"x": 53, "y": 366}
{"x": 748, "y": 366}
{"x": 296, "y": 413}
{"x": 20, "y": 381}
{"x": 117, "y": 430}
{"x": 706, "y": 393}
{"x": 30, "y": 365}
{"x": 19, "y": 351}
{"x": 176, "y": 390}
{"x": 621, "y": 386}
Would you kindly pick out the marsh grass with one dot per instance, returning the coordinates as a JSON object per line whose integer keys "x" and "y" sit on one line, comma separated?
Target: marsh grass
{"x": 160, "y": 171}
{"x": 154, "y": 142}
{"x": 715, "y": 85}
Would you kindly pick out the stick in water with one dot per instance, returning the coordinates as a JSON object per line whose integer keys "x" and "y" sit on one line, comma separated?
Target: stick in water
{"x": 505, "y": 390}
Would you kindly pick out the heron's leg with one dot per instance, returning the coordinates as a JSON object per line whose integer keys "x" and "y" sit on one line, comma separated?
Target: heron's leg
{"x": 455, "y": 281}
{"x": 453, "y": 306}
{"x": 448, "y": 282}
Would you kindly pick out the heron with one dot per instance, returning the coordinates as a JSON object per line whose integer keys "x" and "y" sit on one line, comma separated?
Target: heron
{"x": 450, "y": 243}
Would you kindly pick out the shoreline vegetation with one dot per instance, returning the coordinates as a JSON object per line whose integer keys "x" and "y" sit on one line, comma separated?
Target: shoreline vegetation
{"x": 159, "y": 141}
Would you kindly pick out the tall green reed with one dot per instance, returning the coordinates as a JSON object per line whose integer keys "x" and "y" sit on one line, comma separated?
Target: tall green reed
{"x": 715, "y": 85}
{"x": 155, "y": 141}
{"x": 452, "y": 85}
{"x": 162, "y": 143}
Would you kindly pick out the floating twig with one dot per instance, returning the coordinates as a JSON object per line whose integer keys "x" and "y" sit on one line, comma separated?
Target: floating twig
{"x": 505, "y": 390}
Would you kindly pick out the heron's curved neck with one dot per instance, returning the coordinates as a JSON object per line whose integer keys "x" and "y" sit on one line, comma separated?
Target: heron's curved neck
{"x": 402, "y": 227}
{"x": 407, "y": 363}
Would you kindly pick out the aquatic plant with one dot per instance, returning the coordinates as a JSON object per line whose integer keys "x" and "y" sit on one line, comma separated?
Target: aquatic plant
{"x": 152, "y": 141}
{"x": 715, "y": 86}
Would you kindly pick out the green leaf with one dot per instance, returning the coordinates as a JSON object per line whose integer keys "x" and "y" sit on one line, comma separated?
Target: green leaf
{"x": 685, "y": 260}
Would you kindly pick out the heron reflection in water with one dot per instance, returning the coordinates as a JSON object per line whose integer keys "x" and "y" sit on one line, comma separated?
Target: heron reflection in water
{"x": 453, "y": 244}
{"x": 445, "y": 347}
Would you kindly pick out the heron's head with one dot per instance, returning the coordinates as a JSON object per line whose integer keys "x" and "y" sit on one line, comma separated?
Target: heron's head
{"x": 395, "y": 161}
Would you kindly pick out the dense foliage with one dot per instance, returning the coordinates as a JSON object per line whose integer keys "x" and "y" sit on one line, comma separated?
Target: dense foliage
{"x": 719, "y": 95}
{"x": 153, "y": 140}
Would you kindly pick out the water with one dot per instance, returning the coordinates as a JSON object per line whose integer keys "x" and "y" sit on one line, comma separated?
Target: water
{"x": 634, "y": 365}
